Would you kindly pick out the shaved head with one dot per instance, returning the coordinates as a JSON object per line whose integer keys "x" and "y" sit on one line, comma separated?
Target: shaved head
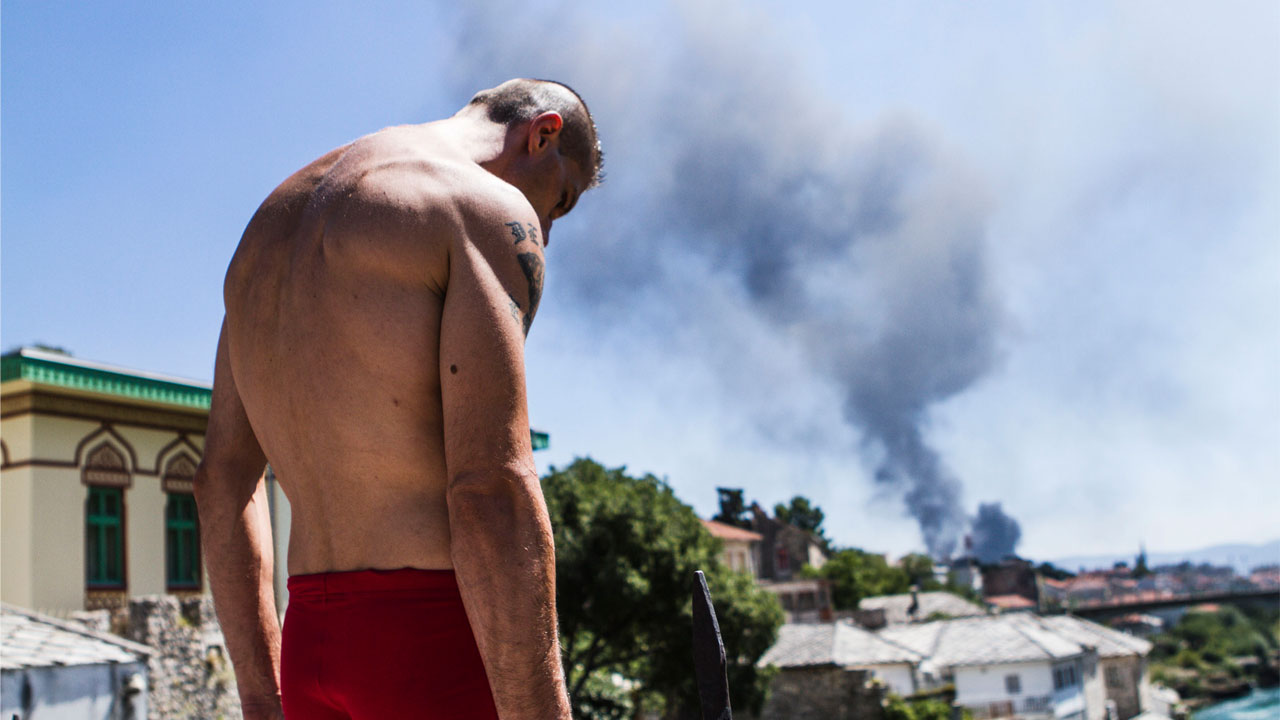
{"x": 523, "y": 99}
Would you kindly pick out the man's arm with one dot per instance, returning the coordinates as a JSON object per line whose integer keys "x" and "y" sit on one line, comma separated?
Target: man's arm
{"x": 500, "y": 534}
{"x": 235, "y": 531}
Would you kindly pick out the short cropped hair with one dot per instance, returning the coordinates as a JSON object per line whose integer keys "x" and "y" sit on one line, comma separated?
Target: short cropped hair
{"x": 522, "y": 100}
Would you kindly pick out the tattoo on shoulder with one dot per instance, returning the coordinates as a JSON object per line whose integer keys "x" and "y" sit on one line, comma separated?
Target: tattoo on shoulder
{"x": 517, "y": 231}
{"x": 531, "y": 264}
{"x": 527, "y": 231}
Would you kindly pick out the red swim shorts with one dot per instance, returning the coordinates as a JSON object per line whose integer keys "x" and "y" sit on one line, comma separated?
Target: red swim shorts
{"x": 381, "y": 645}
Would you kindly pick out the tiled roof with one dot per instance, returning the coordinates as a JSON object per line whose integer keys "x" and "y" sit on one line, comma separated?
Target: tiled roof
{"x": 896, "y": 606}
{"x": 983, "y": 640}
{"x": 1010, "y": 602}
{"x": 29, "y": 639}
{"x": 838, "y": 643}
{"x": 1110, "y": 643}
{"x": 724, "y": 531}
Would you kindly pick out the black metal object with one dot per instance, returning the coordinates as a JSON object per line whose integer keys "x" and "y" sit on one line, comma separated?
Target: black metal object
{"x": 708, "y": 655}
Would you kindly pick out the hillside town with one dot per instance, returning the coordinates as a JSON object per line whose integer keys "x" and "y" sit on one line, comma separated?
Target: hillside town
{"x": 106, "y": 609}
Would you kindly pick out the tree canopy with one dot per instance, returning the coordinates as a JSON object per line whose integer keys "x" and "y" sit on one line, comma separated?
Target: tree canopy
{"x": 804, "y": 515}
{"x": 626, "y": 552}
{"x": 733, "y": 508}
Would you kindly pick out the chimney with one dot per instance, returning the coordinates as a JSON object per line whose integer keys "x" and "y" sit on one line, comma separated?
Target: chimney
{"x": 914, "y": 609}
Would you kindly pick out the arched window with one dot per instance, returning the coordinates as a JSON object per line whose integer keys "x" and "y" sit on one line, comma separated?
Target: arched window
{"x": 106, "y": 472}
{"x": 181, "y": 525}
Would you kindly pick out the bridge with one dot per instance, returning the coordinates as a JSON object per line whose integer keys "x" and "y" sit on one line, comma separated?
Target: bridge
{"x": 1153, "y": 602}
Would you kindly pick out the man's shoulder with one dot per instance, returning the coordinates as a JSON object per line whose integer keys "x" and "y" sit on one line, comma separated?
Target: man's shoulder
{"x": 422, "y": 180}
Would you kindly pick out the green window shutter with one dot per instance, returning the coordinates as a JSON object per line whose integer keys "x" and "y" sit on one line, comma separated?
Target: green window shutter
{"x": 182, "y": 542}
{"x": 104, "y": 532}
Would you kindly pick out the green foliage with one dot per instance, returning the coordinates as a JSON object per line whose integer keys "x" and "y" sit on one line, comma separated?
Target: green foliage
{"x": 898, "y": 708}
{"x": 733, "y": 509}
{"x": 1140, "y": 569}
{"x": 1198, "y": 654}
{"x": 855, "y": 574}
{"x": 626, "y": 552}
{"x": 919, "y": 570}
{"x": 1053, "y": 572}
{"x": 804, "y": 515}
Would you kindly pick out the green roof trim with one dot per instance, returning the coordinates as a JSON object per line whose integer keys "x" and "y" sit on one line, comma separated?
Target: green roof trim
{"x": 49, "y": 369}
{"x": 46, "y": 368}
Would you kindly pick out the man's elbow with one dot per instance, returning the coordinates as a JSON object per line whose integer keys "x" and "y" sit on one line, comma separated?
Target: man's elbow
{"x": 486, "y": 496}
{"x": 218, "y": 486}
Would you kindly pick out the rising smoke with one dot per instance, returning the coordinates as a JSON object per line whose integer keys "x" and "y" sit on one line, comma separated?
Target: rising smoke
{"x": 994, "y": 534}
{"x": 736, "y": 184}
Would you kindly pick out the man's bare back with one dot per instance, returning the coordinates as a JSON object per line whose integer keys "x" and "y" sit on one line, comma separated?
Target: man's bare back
{"x": 334, "y": 301}
{"x": 373, "y": 351}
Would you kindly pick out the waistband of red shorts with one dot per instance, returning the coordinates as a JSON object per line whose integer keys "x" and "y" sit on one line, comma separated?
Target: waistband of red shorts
{"x": 373, "y": 581}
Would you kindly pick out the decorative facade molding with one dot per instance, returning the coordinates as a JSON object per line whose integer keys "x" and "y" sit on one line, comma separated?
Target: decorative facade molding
{"x": 179, "y": 474}
{"x": 106, "y": 433}
{"x": 105, "y": 465}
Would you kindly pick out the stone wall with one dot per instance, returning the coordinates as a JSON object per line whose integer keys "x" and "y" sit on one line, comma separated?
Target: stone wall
{"x": 1122, "y": 677}
{"x": 823, "y": 693}
{"x": 190, "y": 674}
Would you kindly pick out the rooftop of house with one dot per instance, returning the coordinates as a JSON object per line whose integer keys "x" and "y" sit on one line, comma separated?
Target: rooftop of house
{"x": 724, "y": 531}
{"x": 1109, "y": 643}
{"x": 987, "y": 640}
{"x": 896, "y": 607}
{"x": 1010, "y": 602}
{"x": 61, "y": 370}
{"x": 990, "y": 640}
{"x": 838, "y": 643}
{"x": 34, "y": 640}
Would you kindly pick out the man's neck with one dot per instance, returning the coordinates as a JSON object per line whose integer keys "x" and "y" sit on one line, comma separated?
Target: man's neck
{"x": 476, "y": 137}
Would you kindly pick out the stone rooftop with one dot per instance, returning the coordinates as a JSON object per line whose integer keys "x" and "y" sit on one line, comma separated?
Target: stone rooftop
{"x": 1109, "y": 643}
{"x": 896, "y": 606}
{"x": 29, "y": 639}
{"x": 989, "y": 640}
{"x": 838, "y": 643}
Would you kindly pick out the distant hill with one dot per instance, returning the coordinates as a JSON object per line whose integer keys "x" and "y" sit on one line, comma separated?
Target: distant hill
{"x": 1240, "y": 556}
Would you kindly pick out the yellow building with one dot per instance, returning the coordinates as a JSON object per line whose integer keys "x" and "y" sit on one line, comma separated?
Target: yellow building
{"x": 96, "y": 470}
{"x": 96, "y": 477}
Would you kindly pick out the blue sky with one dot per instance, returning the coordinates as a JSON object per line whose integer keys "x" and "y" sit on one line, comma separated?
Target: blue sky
{"x": 1036, "y": 245}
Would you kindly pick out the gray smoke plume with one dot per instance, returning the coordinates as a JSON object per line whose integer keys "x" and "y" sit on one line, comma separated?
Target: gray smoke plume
{"x": 746, "y": 210}
{"x": 995, "y": 534}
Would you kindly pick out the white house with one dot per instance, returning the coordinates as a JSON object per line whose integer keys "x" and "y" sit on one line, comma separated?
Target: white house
{"x": 1007, "y": 666}
{"x": 1121, "y": 657}
{"x": 65, "y": 671}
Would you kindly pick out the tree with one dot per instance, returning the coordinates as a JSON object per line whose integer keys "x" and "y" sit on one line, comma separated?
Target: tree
{"x": 804, "y": 515}
{"x": 1140, "y": 569}
{"x": 855, "y": 574}
{"x": 1053, "y": 572}
{"x": 733, "y": 509}
{"x": 626, "y": 552}
{"x": 919, "y": 570}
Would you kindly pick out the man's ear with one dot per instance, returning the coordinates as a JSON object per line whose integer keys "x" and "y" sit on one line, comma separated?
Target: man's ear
{"x": 544, "y": 131}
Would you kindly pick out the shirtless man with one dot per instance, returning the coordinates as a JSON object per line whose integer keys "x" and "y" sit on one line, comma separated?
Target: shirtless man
{"x": 373, "y": 351}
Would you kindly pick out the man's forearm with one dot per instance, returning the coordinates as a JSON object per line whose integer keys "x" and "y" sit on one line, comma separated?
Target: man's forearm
{"x": 235, "y": 532}
{"x": 505, "y": 564}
